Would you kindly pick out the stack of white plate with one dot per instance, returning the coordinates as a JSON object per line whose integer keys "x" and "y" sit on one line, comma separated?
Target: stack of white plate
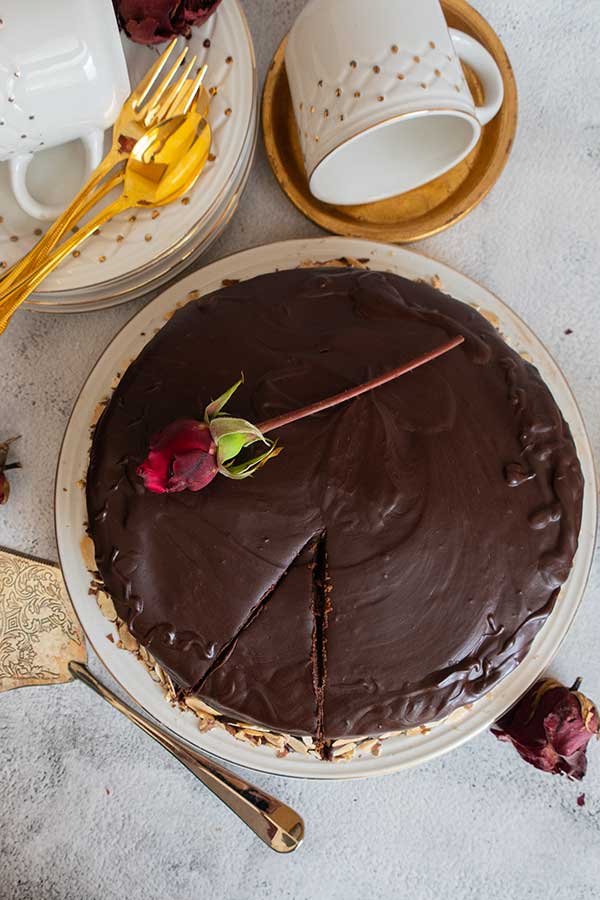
{"x": 139, "y": 251}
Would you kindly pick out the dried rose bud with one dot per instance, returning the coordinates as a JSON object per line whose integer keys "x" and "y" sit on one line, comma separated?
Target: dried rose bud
{"x": 182, "y": 457}
{"x": 4, "y": 488}
{"x": 4, "y": 483}
{"x": 155, "y": 21}
{"x": 550, "y": 727}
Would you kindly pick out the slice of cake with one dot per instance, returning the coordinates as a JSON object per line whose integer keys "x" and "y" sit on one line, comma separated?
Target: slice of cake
{"x": 398, "y": 557}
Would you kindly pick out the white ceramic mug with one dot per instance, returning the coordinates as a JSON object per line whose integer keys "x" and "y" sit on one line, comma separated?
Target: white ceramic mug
{"x": 63, "y": 77}
{"x": 379, "y": 95}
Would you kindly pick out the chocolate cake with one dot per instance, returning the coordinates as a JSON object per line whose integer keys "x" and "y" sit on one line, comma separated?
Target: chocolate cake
{"x": 398, "y": 557}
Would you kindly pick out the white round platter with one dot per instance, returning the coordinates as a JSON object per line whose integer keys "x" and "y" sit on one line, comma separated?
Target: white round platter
{"x": 398, "y": 752}
{"x": 137, "y": 250}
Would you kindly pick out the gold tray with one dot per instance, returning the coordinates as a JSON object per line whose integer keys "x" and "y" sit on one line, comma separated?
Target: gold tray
{"x": 419, "y": 213}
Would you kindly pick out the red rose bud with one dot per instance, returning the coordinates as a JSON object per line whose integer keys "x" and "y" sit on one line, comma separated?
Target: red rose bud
{"x": 551, "y": 727}
{"x": 155, "y": 21}
{"x": 182, "y": 457}
{"x": 187, "y": 454}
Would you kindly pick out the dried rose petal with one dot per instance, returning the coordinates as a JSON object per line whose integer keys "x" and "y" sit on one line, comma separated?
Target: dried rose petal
{"x": 551, "y": 727}
{"x": 182, "y": 457}
{"x": 155, "y": 21}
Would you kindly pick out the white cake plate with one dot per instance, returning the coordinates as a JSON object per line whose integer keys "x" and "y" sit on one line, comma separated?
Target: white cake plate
{"x": 398, "y": 752}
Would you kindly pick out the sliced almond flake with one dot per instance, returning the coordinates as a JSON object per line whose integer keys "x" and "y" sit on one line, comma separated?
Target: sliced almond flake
{"x": 308, "y": 740}
{"x": 159, "y": 672}
{"x": 342, "y": 742}
{"x": 436, "y": 282}
{"x": 253, "y": 739}
{"x": 206, "y": 723}
{"x": 297, "y": 745}
{"x": 88, "y": 553}
{"x": 106, "y": 606}
{"x": 169, "y": 688}
{"x": 367, "y": 746}
{"x": 276, "y": 740}
{"x": 343, "y": 750}
{"x": 127, "y": 639}
{"x": 255, "y": 732}
{"x": 199, "y": 706}
{"x": 251, "y": 728}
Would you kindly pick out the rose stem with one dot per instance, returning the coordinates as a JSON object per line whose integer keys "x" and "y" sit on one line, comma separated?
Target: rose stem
{"x": 350, "y": 393}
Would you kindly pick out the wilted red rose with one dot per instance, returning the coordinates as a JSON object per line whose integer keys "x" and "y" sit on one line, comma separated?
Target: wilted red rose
{"x": 182, "y": 457}
{"x": 155, "y": 21}
{"x": 551, "y": 727}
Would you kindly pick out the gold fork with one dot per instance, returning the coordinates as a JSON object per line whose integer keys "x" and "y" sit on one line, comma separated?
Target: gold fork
{"x": 164, "y": 164}
{"x": 180, "y": 104}
{"x": 139, "y": 112}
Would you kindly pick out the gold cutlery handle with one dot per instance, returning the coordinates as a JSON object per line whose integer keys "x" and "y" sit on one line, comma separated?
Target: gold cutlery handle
{"x": 87, "y": 197}
{"x": 16, "y": 295}
{"x": 279, "y": 826}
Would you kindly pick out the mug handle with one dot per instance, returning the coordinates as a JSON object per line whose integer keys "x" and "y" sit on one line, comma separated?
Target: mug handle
{"x": 93, "y": 143}
{"x": 486, "y": 69}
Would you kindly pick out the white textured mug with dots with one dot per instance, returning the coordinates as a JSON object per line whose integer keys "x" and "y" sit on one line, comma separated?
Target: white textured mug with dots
{"x": 379, "y": 96}
{"x": 63, "y": 77}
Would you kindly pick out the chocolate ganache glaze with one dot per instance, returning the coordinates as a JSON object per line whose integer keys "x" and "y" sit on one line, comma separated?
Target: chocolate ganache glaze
{"x": 394, "y": 561}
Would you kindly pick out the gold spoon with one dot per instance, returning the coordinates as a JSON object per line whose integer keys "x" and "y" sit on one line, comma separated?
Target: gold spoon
{"x": 164, "y": 164}
{"x": 139, "y": 112}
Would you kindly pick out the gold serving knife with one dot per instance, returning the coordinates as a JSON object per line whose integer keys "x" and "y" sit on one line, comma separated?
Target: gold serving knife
{"x": 41, "y": 642}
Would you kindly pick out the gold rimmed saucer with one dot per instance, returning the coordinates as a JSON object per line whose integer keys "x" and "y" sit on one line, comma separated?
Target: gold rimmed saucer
{"x": 419, "y": 213}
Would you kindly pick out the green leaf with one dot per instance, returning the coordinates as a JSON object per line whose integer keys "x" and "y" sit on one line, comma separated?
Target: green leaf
{"x": 226, "y": 425}
{"x": 213, "y": 409}
{"x": 249, "y": 467}
{"x": 229, "y": 446}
